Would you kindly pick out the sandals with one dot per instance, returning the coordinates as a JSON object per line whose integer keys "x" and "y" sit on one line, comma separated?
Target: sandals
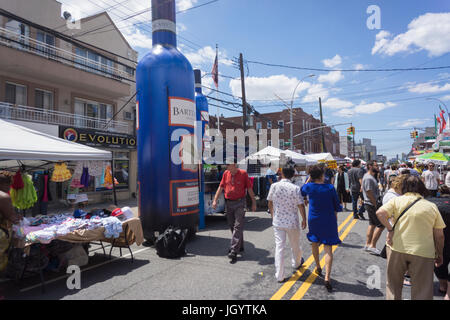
{"x": 328, "y": 286}
{"x": 319, "y": 272}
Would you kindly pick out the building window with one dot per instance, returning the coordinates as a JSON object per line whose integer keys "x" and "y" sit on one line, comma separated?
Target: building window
{"x": 16, "y": 94}
{"x": 258, "y": 126}
{"x": 48, "y": 41}
{"x": 99, "y": 114}
{"x": 43, "y": 99}
{"x": 91, "y": 61}
{"x": 121, "y": 169}
{"x": 269, "y": 124}
{"x": 281, "y": 126}
{"x": 281, "y": 141}
{"x": 22, "y": 31}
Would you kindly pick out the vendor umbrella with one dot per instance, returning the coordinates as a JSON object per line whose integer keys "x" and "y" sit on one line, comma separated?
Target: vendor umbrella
{"x": 435, "y": 157}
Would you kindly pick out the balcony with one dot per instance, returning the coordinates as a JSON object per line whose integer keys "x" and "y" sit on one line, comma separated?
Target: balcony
{"x": 24, "y": 113}
{"x": 33, "y": 58}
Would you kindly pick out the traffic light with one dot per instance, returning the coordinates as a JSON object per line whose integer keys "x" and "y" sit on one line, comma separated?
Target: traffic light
{"x": 414, "y": 134}
{"x": 351, "y": 130}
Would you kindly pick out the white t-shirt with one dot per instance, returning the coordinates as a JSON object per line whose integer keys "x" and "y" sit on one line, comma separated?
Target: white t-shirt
{"x": 389, "y": 195}
{"x": 431, "y": 179}
{"x": 447, "y": 179}
{"x": 286, "y": 198}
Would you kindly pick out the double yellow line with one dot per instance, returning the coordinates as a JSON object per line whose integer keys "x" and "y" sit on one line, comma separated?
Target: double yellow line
{"x": 312, "y": 277}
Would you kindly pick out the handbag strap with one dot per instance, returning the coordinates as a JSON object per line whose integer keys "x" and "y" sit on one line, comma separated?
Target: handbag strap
{"x": 404, "y": 211}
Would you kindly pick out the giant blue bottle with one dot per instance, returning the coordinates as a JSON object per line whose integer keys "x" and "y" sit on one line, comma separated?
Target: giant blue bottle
{"x": 168, "y": 187}
{"x": 203, "y": 119}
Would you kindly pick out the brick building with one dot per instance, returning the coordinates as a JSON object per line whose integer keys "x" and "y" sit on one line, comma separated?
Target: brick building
{"x": 308, "y": 143}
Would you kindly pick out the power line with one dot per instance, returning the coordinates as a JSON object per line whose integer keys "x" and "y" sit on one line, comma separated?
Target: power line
{"x": 346, "y": 70}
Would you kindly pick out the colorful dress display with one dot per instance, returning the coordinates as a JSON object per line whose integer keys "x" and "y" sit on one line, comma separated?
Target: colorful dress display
{"x": 61, "y": 173}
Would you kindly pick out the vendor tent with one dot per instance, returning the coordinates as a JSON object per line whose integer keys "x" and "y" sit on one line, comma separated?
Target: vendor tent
{"x": 21, "y": 143}
{"x": 270, "y": 153}
{"x": 435, "y": 157}
{"x": 321, "y": 156}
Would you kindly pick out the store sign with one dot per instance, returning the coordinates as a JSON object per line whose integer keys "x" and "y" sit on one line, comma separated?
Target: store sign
{"x": 95, "y": 138}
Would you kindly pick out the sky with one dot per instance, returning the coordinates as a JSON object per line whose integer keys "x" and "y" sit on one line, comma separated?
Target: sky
{"x": 333, "y": 35}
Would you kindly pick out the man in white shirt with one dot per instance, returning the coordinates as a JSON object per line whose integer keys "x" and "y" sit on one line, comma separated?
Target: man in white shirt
{"x": 447, "y": 179}
{"x": 431, "y": 180}
{"x": 285, "y": 201}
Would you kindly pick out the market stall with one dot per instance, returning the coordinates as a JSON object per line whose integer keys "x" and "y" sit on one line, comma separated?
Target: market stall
{"x": 23, "y": 148}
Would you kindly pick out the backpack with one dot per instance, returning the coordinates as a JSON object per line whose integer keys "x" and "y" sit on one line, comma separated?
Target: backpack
{"x": 172, "y": 243}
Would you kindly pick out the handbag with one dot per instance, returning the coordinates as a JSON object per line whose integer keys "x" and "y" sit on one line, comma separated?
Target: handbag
{"x": 383, "y": 253}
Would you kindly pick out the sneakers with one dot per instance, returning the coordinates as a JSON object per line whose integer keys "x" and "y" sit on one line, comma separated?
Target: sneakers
{"x": 366, "y": 248}
{"x": 233, "y": 257}
{"x": 374, "y": 251}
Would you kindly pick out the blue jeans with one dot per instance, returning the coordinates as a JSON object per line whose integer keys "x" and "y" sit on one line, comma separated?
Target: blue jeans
{"x": 355, "y": 197}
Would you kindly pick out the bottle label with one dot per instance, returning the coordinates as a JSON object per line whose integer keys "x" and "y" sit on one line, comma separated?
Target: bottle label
{"x": 181, "y": 112}
{"x": 164, "y": 25}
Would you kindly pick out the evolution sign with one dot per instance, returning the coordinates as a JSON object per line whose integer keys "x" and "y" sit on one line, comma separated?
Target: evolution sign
{"x": 95, "y": 138}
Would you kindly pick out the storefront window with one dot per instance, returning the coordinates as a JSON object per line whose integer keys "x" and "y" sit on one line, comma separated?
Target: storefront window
{"x": 122, "y": 169}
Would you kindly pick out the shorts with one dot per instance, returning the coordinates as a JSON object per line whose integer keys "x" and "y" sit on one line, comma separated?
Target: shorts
{"x": 373, "y": 219}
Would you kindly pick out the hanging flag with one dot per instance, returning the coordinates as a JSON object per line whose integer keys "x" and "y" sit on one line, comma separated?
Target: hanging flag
{"x": 444, "y": 123}
{"x": 440, "y": 125}
{"x": 215, "y": 72}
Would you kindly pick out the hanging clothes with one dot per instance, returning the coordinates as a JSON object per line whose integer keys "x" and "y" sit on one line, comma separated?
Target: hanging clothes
{"x": 85, "y": 178}
{"x": 61, "y": 173}
{"x": 26, "y": 197}
{"x": 108, "y": 178}
{"x": 17, "y": 181}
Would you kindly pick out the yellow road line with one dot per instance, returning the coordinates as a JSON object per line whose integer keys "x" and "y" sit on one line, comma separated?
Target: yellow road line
{"x": 312, "y": 277}
{"x": 289, "y": 283}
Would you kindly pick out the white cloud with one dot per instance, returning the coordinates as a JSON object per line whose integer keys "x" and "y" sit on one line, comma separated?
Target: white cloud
{"x": 358, "y": 66}
{"x": 428, "y": 88}
{"x": 364, "y": 108}
{"x": 335, "y": 103}
{"x": 314, "y": 92}
{"x": 265, "y": 88}
{"x": 429, "y": 32}
{"x": 185, "y": 4}
{"x": 408, "y": 123}
{"x": 137, "y": 39}
{"x": 331, "y": 77}
{"x": 205, "y": 57}
{"x": 446, "y": 98}
{"x": 333, "y": 62}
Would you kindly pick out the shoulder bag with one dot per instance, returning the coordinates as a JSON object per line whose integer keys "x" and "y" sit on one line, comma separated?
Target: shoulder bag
{"x": 383, "y": 252}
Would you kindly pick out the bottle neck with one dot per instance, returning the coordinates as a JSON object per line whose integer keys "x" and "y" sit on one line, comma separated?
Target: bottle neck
{"x": 163, "y": 22}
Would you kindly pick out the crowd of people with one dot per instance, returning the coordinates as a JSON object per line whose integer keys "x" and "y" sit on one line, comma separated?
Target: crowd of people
{"x": 410, "y": 202}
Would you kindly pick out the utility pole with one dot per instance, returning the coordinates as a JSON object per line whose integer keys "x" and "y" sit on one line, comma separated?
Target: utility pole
{"x": 353, "y": 143}
{"x": 244, "y": 101}
{"x": 324, "y": 147}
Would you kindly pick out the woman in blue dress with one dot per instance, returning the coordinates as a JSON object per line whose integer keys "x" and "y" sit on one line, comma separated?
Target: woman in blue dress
{"x": 322, "y": 219}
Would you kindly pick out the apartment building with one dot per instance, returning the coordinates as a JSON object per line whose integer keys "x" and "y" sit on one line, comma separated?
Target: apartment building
{"x": 56, "y": 75}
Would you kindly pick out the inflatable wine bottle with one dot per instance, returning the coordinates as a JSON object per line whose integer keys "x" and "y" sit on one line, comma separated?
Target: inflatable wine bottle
{"x": 168, "y": 183}
{"x": 203, "y": 119}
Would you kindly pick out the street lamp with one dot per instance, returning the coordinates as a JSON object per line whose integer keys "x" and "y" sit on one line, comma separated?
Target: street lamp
{"x": 291, "y": 121}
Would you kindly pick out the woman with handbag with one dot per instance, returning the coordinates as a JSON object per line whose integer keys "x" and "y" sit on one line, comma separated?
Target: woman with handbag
{"x": 415, "y": 242}
{"x": 342, "y": 186}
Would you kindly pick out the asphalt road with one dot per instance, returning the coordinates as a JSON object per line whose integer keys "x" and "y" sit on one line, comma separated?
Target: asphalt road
{"x": 206, "y": 274}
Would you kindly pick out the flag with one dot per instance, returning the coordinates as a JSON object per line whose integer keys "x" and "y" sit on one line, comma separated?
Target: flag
{"x": 444, "y": 123}
{"x": 215, "y": 72}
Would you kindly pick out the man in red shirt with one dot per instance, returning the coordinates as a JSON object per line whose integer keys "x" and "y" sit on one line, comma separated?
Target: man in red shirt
{"x": 235, "y": 182}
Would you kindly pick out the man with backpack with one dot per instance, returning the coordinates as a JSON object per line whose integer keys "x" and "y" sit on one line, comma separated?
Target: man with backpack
{"x": 355, "y": 175}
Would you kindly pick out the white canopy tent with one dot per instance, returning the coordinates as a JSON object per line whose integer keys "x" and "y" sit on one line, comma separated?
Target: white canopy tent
{"x": 269, "y": 154}
{"x": 21, "y": 143}
{"x": 321, "y": 156}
